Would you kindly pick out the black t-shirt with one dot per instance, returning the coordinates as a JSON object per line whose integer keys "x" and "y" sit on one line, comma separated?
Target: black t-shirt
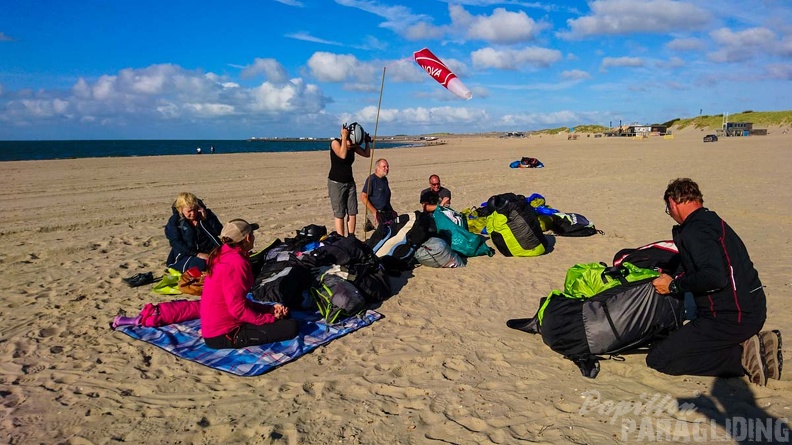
{"x": 341, "y": 169}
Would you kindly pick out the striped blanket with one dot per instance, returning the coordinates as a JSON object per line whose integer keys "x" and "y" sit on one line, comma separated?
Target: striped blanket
{"x": 184, "y": 340}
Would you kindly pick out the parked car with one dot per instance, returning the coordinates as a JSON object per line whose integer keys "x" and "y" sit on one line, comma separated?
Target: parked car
{"x": 710, "y": 138}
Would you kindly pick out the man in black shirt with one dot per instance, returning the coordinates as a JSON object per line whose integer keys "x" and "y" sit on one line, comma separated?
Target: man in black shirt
{"x": 725, "y": 339}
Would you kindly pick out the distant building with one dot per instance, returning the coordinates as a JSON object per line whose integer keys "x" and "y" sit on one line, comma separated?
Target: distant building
{"x": 646, "y": 130}
{"x": 737, "y": 128}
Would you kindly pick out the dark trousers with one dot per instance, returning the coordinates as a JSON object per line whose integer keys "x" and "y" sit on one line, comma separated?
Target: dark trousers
{"x": 252, "y": 335}
{"x": 705, "y": 346}
{"x": 187, "y": 262}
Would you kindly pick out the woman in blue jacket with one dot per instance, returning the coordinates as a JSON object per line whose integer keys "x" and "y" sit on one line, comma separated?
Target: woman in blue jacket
{"x": 193, "y": 232}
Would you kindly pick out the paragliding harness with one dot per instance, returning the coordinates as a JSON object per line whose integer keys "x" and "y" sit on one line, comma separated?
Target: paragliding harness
{"x": 603, "y": 311}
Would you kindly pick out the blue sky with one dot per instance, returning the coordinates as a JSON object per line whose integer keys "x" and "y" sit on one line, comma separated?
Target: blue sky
{"x": 92, "y": 69}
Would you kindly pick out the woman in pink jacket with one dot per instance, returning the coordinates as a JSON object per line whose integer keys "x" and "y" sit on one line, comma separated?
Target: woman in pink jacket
{"x": 228, "y": 318}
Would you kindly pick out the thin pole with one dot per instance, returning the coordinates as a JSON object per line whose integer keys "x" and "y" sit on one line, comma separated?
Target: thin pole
{"x": 371, "y": 152}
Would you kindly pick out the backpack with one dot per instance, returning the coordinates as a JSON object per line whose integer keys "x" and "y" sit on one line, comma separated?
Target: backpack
{"x": 662, "y": 255}
{"x": 592, "y": 317}
{"x": 513, "y": 227}
{"x": 452, "y": 227}
{"x": 402, "y": 236}
{"x": 337, "y": 298}
{"x": 573, "y": 224}
{"x": 435, "y": 252}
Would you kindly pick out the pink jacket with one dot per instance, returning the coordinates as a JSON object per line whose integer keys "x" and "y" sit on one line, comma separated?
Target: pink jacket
{"x": 224, "y": 305}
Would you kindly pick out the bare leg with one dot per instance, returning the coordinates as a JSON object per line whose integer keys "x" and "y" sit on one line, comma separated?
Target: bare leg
{"x": 351, "y": 223}
{"x": 339, "y": 226}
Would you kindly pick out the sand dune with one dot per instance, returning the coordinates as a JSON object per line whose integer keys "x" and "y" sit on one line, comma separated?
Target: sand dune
{"x": 441, "y": 367}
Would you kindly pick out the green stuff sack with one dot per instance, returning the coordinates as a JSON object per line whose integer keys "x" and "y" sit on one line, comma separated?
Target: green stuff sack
{"x": 513, "y": 227}
{"x": 169, "y": 284}
{"x": 475, "y": 223}
{"x": 589, "y": 279}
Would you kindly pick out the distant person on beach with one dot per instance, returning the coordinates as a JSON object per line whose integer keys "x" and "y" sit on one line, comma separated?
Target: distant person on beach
{"x": 724, "y": 340}
{"x": 211, "y": 149}
{"x": 443, "y": 194}
{"x": 228, "y": 318}
{"x": 198, "y": 150}
{"x": 340, "y": 181}
{"x": 192, "y": 232}
{"x": 376, "y": 195}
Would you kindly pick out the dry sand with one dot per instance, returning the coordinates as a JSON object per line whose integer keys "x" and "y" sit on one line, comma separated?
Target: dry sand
{"x": 441, "y": 367}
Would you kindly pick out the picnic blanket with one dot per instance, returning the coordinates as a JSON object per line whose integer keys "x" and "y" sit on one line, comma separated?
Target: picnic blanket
{"x": 184, "y": 340}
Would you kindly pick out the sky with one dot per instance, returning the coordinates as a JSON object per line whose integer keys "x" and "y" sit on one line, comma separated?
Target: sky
{"x": 99, "y": 69}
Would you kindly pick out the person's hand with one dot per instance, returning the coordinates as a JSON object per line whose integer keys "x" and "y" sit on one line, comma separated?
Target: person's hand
{"x": 203, "y": 256}
{"x": 201, "y": 213}
{"x": 661, "y": 284}
{"x": 344, "y": 133}
{"x": 368, "y": 138}
{"x": 445, "y": 202}
{"x": 280, "y": 311}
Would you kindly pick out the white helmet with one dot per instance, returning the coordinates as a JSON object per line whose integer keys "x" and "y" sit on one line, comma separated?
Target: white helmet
{"x": 356, "y": 133}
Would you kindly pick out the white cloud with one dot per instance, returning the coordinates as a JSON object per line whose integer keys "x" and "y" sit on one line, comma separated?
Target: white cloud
{"x": 554, "y": 119}
{"x": 687, "y": 44}
{"x": 742, "y": 45}
{"x": 631, "y": 62}
{"x": 779, "y": 71}
{"x": 502, "y": 26}
{"x": 622, "y": 17}
{"x": 6, "y": 38}
{"x": 329, "y": 67}
{"x": 513, "y": 59}
{"x": 271, "y": 69}
{"x": 306, "y": 37}
{"x": 575, "y": 75}
{"x": 295, "y": 3}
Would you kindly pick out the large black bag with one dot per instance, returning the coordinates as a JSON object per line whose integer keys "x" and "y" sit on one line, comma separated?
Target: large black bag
{"x": 282, "y": 279}
{"x": 617, "y": 320}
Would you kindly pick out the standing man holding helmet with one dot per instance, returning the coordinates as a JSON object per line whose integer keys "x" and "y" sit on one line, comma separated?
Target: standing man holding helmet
{"x": 340, "y": 181}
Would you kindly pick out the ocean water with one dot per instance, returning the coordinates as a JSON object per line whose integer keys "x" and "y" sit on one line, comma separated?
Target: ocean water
{"x": 37, "y": 150}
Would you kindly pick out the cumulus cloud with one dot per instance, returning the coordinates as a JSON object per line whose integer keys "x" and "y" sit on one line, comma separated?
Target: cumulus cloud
{"x": 630, "y": 62}
{"x": 621, "y": 17}
{"x": 687, "y": 44}
{"x": 271, "y": 69}
{"x": 329, "y": 67}
{"x": 163, "y": 92}
{"x": 502, "y": 27}
{"x": 742, "y": 45}
{"x": 512, "y": 59}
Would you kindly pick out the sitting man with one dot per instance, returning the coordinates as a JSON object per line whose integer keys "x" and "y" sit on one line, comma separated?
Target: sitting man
{"x": 443, "y": 193}
{"x": 376, "y": 195}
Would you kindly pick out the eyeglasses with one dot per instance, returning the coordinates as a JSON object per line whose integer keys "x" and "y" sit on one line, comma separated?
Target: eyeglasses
{"x": 434, "y": 184}
{"x": 668, "y": 210}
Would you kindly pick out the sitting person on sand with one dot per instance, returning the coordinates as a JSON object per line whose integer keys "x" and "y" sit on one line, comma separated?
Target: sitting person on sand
{"x": 192, "y": 232}
{"x": 228, "y": 318}
{"x": 442, "y": 193}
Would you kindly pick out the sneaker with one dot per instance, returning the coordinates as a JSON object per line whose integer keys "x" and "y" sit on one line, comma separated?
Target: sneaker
{"x": 753, "y": 360}
{"x": 771, "y": 340}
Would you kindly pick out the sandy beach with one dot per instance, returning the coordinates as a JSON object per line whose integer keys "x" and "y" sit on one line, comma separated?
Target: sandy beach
{"x": 440, "y": 367}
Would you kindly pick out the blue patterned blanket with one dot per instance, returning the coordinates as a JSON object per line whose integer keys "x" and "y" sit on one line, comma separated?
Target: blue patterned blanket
{"x": 184, "y": 340}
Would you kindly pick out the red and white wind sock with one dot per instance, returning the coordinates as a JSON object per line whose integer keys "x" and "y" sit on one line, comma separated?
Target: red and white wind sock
{"x": 440, "y": 72}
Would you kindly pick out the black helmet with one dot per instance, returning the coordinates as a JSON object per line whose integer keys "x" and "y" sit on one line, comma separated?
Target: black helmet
{"x": 356, "y": 133}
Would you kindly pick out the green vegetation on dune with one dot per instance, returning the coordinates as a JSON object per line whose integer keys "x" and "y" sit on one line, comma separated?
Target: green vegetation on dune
{"x": 758, "y": 118}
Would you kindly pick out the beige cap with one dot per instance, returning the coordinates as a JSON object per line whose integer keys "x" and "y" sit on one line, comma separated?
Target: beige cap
{"x": 237, "y": 229}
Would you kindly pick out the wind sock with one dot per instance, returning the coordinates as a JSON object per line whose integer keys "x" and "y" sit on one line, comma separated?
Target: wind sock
{"x": 437, "y": 69}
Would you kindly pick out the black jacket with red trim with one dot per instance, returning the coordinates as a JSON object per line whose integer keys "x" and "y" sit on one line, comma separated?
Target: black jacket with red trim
{"x": 718, "y": 270}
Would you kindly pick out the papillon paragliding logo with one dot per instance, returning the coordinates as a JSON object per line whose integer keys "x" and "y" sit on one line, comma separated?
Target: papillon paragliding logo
{"x": 440, "y": 72}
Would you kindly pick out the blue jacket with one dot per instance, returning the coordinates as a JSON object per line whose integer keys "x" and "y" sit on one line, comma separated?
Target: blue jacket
{"x": 186, "y": 240}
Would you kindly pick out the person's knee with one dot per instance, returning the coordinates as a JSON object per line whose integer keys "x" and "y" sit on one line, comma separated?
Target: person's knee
{"x": 656, "y": 361}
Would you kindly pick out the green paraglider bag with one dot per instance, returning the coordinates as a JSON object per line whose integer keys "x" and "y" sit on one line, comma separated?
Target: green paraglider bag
{"x": 169, "y": 284}
{"x": 589, "y": 279}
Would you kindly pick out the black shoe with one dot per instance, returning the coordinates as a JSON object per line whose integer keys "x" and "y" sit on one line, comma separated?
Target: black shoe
{"x": 139, "y": 279}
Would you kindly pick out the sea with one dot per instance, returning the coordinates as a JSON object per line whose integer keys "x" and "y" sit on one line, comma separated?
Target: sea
{"x": 38, "y": 150}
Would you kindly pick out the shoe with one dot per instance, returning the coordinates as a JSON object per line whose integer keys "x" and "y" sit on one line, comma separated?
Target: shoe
{"x": 139, "y": 279}
{"x": 753, "y": 360}
{"x": 771, "y": 340}
{"x": 368, "y": 227}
